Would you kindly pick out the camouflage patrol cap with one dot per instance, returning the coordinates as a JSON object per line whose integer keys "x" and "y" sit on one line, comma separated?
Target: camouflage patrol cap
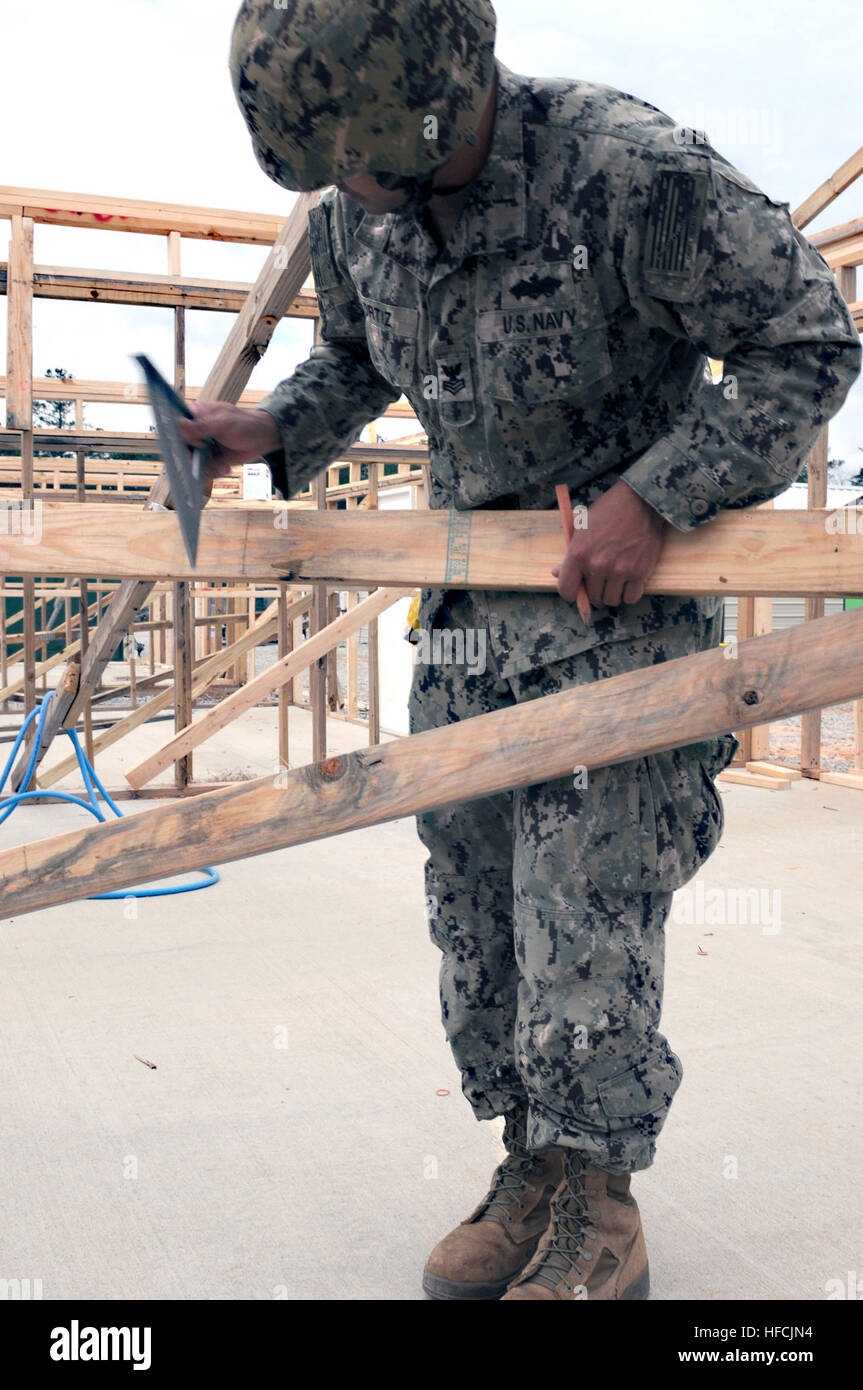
{"x": 333, "y": 88}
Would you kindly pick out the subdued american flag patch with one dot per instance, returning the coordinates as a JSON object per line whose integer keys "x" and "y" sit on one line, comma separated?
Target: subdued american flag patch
{"x": 677, "y": 202}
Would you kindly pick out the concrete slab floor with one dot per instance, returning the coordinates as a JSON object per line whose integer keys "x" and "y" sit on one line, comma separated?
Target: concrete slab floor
{"x": 303, "y": 1134}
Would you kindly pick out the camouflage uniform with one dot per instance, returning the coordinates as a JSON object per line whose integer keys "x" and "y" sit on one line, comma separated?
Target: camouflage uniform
{"x": 560, "y": 336}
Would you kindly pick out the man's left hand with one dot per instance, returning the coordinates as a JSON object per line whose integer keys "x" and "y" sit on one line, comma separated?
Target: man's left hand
{"x": 616, "y": 551}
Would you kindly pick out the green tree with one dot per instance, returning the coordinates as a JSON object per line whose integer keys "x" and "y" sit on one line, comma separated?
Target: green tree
{"x": 55, "y": 415}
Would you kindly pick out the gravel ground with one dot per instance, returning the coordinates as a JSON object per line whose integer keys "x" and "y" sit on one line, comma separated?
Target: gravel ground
{"x": 837, "y": 739}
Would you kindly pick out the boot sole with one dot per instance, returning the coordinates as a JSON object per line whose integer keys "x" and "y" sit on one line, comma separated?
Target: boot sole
{"x": 451, "y": 1290}
{"x": 639, "y": 1288}
{"x": 447, "y": 1289}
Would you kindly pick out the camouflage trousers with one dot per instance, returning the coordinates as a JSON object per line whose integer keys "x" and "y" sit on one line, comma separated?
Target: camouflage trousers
{"x": 549, "y": 905}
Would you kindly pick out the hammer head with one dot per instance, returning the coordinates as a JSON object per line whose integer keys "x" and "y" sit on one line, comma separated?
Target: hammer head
{"x": 186, "y": 468}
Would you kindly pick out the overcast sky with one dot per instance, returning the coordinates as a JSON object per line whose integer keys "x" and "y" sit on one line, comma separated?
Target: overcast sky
{"x": 131, "y": 98}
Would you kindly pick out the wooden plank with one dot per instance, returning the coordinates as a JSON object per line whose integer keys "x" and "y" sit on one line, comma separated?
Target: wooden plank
{"x": 46, "y": 388}
{"x": 754, "y": 779}
{"x": 845, "y": 253}
{"x": 816, "y": 497}
{"x": 285, "y": 634}
{"x": 286, "y": 268}
{"x": 162, "y": 291}
{"x": 182, "y": 679}
{"x": 654, "y": 708}
{"x": 134, "y": 443}
{"x": 4, "y": 656}
{"x": 768, "y": 769}
{"x": 852, "y": 780}
{"x": 276, "y": 287}
{"x": 309, "y": 655}
{"x": 353, "y": 663}
{"x": 829, "y": 190}
{"x": 43, "y": 667}
{"x": 19, "y": 345}
{"x": 138, "y": 215}
{"x": 318, "y": 619}
{"x": 834, "y": 236}
{"x": 203, "y": 676}
{"x": 754, "y": 551}
{"x": 745, "y": 630}
{"x": 762, "y": 622}
{"x": 373, "y": 646}
{"x": 19, "y": 416}
{"x": 334, "y": 693}
{"x": 61, "y": 702}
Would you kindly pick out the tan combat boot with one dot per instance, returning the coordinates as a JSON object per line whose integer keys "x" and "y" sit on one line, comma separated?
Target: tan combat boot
{"x": 479, "y": 1258}
{"x": 594, "y": 1246}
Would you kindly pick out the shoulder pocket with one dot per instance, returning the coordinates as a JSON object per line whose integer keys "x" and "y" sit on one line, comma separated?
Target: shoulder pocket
{"x": 324, "y": 269}
{"x": 341, "y": 316}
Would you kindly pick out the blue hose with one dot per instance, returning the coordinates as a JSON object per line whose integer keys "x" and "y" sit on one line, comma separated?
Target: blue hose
{"x": 92, "y": 784}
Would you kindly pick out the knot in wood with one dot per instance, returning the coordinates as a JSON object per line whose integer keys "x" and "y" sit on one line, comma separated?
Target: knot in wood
{"x": 751, "y": 697}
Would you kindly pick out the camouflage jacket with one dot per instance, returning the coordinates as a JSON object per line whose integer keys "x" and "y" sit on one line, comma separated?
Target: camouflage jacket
{"x": 561, "y": 336}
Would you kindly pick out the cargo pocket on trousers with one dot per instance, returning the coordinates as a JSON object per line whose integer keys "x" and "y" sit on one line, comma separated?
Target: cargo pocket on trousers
{"x": 649, "y": 824}
{"x": 682, "y": 818}
{"x": 647, "y": 1088}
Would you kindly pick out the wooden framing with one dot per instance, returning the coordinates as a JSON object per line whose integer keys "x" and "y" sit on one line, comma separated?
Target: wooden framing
{"x": 742, "y": 552}
{"x": 317, "y": 549}
{"x": 655, "y": 708}
{"x": 136, "y": 215}
{"x": 320, "y": 643}
{"x": 829, "y": 190}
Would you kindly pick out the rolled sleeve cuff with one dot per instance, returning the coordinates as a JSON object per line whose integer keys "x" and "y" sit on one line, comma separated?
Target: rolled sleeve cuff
{"x": 675, "y": 487}
{"x": 276, "y": 461}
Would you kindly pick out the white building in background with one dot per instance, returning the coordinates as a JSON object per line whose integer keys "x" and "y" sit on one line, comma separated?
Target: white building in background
{"x": 788, "y": 611}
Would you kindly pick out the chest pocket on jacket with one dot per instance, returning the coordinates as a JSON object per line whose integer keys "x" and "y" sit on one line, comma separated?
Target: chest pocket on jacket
{"x": 391, "y": 332}
{"x": 548, "y": 340}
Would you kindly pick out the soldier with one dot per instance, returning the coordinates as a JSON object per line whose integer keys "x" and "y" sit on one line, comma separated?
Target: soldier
{"x": 542, "y": 267}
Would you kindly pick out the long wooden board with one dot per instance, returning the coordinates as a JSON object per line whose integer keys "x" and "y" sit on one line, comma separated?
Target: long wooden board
{"x": 138, "y": 215}
{"x": 203, "y": 675}
{"x": 751, "y": 552}
{"x": 273, "y": 678}
{"x": 659, "y": 707}
{"x": 829, "y": 190}
{"x": 275, "y": 289}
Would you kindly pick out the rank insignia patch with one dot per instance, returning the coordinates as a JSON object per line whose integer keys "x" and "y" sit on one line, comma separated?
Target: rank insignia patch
{"x": 454, "y": 379}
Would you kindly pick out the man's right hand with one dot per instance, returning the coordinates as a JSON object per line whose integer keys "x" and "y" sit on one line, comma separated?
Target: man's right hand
{"x": 241, "y": 436}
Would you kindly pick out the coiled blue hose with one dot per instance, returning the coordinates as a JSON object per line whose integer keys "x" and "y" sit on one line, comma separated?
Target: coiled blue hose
{"x": 92, "y": 783}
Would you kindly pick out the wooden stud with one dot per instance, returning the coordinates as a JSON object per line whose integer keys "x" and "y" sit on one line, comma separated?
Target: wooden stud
{"x": 655, "y": 708}
{"x": 829, "y": 190}
{"x": 810, "y": 731}
{"x": 308, "y": 655}
{"x": 182, "y": 679}
{"x": 203, "y": 677}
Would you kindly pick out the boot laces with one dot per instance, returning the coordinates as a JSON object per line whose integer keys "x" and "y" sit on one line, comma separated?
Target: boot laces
{"x": 511, "y": 1180}
{"x": 568, "y": 1225}
{"x": 511, "y": 1183}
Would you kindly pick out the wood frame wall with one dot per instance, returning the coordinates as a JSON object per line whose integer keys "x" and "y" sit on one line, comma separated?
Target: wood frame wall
{"x": 186, "y": 632}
